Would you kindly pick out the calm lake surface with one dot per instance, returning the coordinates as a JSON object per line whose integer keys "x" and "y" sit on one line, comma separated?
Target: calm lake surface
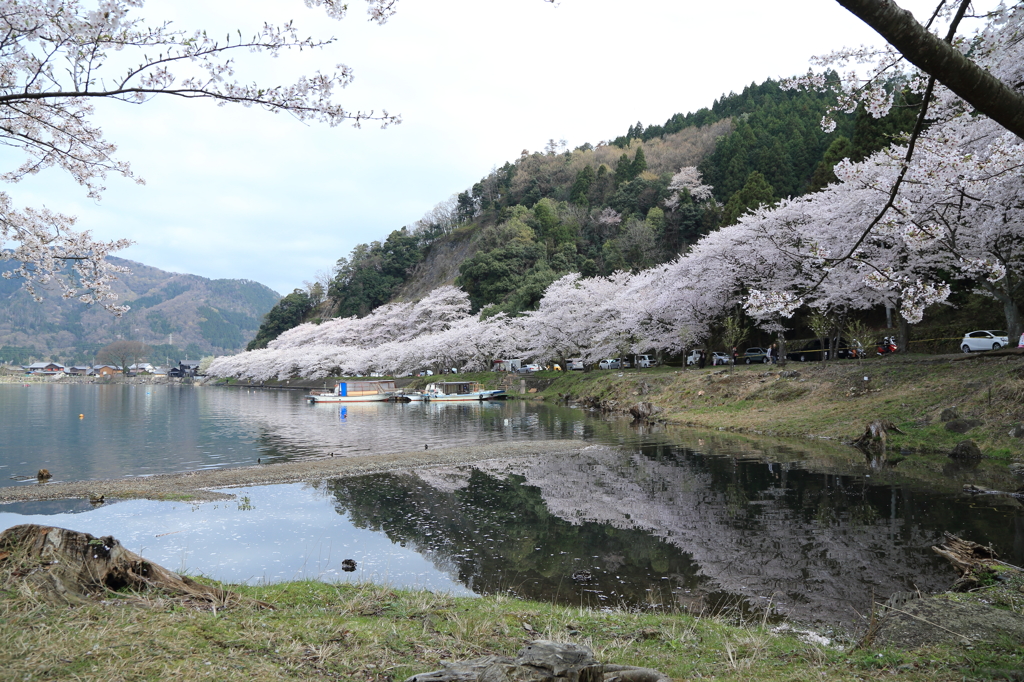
{"x": 665, "y": 517}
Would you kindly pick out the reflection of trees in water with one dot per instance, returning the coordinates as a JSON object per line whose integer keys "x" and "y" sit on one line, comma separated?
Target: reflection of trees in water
{"x": 818, "y": 544}
{"x": 288, "y": 428}
{"x": 500, "y": 535}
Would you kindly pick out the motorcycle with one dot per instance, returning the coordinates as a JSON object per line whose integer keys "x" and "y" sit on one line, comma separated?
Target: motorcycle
{"x": 888, "y": 345}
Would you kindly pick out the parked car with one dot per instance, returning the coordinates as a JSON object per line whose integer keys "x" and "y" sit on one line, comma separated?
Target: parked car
{"x": 809, "y": 352}
{"x": 576, "y": 363}
{"x": 532, "y": 367}
{"x": 713, "y": 359}
{"x": 610, "y": 363}
{"x": 984, "y": 340}
{"x": 643, "y": 361}
{"x": 755, "y": 354}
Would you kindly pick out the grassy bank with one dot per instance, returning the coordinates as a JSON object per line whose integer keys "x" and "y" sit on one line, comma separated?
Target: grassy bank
{"x": 833, "y": 400}
{"x": 322, "y": 631}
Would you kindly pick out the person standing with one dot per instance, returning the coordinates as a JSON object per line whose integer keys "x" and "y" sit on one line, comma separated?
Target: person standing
{"x": 700, "y": 360}
{"x": 775, "y": 353}
{"x": 735, "y": 356}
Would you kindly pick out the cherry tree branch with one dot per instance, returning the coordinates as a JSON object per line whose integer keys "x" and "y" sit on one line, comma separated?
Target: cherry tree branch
{"x": 919, "y": 127}
{"x": 941, "y": 60}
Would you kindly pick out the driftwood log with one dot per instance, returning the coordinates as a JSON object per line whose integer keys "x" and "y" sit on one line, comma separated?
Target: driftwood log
{"x": 65, "y": 566}
{"x": 972, "y": 561}
{"x": 541, "y": 661}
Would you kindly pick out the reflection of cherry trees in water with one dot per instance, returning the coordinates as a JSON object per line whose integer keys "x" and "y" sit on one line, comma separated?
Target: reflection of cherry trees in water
{"x": 669, "y": 522}
{"x": 497, "y": 534}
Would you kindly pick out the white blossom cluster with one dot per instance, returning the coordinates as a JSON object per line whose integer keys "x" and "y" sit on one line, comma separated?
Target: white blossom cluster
{"x": 399, "y": 338}
{"x": 52, "y": 56}
{"x": 689, "y": 179}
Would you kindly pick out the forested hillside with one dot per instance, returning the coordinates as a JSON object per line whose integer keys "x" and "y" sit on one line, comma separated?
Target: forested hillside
{"x": 177, "y": 315}
{"x": 621, "y": 205}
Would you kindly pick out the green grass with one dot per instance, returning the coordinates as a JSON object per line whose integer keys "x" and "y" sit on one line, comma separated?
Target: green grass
{"x": 830, "y": 400}
{"x": 370, "y": 632}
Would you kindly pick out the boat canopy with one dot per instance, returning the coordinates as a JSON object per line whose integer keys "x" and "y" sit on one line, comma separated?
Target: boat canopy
{"x": 354, "y": 389}
{"x": 457, "y": 387}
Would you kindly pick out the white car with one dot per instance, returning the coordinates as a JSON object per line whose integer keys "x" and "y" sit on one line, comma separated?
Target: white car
{"x": 720, "y": 358}
{"x": 610, "y": 363}
{"x": 986, "y": 339}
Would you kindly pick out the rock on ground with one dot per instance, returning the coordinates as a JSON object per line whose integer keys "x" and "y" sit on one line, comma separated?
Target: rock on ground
{"x": 933, "y": 620}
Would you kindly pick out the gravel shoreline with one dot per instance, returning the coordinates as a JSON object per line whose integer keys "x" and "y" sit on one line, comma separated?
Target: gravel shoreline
{"x": 198, "y": 485}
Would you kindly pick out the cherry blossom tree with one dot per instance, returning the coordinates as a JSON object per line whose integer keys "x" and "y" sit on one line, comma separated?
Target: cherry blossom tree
{"x": 53, "y": 55}
{"x": 945, "y": 203}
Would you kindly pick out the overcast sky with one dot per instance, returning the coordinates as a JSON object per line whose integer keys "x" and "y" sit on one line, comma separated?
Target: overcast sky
{"x": 242, "y": 193}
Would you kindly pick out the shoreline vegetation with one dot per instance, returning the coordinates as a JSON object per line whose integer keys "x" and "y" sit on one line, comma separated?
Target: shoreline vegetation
{"x": 936, "y": 401}
{"x": 375, "y": 632}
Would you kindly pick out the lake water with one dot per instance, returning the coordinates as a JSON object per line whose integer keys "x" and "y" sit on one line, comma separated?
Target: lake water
{"x": 666, "y": 517}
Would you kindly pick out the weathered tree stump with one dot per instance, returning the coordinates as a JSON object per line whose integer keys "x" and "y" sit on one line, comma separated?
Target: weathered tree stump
{"x": 876, "y": 435}
{"x": 65, "y": 566}
{"x": 643, "y": 411}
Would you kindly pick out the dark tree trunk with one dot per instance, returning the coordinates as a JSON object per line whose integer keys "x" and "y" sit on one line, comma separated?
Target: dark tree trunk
{"x": 1013, "y": 322}
{"x": 949, "y": 66}
{"x": 902, "y": 335}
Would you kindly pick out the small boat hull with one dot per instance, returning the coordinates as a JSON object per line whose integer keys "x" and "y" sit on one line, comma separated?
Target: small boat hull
{"x": 377, "y": 391}
{"x": 462, "y": 397}
{"x": 348, "y": 399}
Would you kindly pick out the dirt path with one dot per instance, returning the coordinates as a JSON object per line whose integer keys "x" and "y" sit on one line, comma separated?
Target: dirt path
{"x": 198, "y": 485}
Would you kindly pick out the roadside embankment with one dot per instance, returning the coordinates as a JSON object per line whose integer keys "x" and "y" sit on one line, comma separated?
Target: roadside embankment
{"x": 936, "y": 401}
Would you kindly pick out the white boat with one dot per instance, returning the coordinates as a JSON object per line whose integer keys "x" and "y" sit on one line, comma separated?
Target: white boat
{"x": 376, "y": 391}
{"x": 446, "y": 391}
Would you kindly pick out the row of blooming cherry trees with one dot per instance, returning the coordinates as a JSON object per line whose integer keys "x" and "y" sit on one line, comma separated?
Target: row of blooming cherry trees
{"x": 895, "y": 230}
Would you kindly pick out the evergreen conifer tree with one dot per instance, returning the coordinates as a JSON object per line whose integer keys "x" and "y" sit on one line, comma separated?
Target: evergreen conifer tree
{"x": 639, "y": 163}
{"x": 755, "y": 191}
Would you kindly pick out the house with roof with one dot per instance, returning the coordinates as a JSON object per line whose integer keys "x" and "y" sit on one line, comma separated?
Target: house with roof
{"x": 46, "y": 368}
{"x": 78, "y": 370}
{"x": 104, "y": 370}
{"x": 184, "y": 369}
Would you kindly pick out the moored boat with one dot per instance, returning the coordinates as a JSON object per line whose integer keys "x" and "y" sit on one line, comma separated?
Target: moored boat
{"x": 442, "y": 391}
{"x": 376, "y": 391}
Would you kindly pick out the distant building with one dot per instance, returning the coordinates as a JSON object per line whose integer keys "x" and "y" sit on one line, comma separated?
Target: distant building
{"x": 50, "y": 368}
{"x": 104, "y": 370}
{"x": 78, "y": 370}
{"x": 184, "y": 369}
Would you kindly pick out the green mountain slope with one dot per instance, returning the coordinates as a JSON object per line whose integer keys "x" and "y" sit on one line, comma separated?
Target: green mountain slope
{"x": 600, "y": 209}
{"x": 176, "y": 314}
